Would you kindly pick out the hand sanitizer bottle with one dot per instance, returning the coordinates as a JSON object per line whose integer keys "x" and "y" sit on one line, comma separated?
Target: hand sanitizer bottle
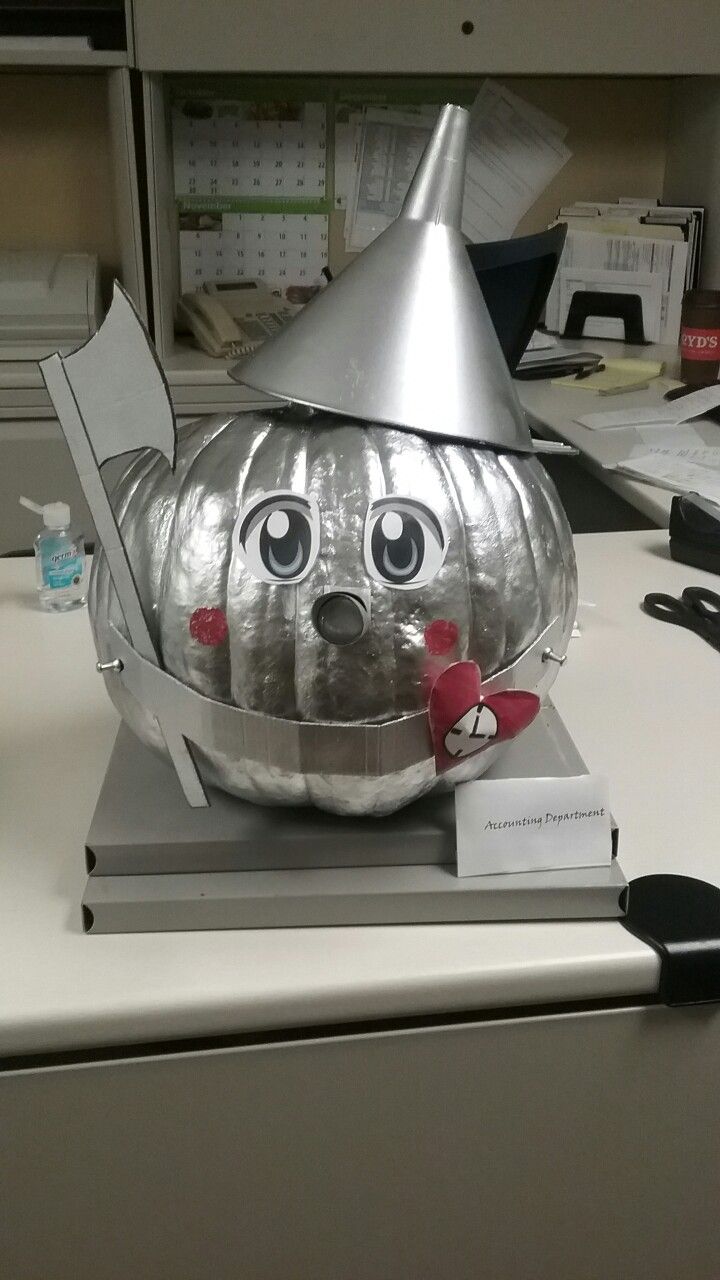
{"x": 59, "y": 558}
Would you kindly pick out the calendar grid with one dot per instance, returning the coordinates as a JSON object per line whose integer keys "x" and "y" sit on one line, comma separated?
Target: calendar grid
{"x": 286, "y": 251}
{"x": 251, "y": 188}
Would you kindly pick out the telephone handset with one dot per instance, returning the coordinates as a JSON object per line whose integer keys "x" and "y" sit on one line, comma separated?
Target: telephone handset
{"x": 230, "y": 320}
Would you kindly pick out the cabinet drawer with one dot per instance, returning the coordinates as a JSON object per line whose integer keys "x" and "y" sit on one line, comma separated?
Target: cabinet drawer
{"x": 546, "y": 1147}
{"x": 507, "y": 36}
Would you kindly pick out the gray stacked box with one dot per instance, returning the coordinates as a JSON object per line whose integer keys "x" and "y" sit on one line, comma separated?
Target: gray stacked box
{"x": 156, "y": 864}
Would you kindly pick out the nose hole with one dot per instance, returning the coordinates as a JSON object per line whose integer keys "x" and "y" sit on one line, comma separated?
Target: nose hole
{"x": 340, "y": 617}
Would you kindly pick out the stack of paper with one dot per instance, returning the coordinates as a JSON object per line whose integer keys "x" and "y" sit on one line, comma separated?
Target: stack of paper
{"x": 632, "y": 216}
{"x": 669, "y": 453}
{"x": 515, "y": 150}
{"x": 668, "y": 471}
{"x": 667, "y": 413}
{"x": 380, "y": 150}
{"x": 634, "y": 247}
{"x": 684, "y": 444}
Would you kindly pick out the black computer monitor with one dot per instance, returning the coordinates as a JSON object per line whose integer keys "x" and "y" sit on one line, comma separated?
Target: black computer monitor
{"x": 515, "y": 277}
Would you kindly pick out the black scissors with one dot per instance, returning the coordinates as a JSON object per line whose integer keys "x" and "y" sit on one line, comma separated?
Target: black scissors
{"x": 698, "y": 609}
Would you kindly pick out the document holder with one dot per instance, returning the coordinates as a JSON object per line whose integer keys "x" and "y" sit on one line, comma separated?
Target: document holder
{"x": 621, "y": 306}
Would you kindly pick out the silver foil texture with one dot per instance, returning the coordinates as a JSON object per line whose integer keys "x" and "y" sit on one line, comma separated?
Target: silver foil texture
{"x": 296, "y": 567}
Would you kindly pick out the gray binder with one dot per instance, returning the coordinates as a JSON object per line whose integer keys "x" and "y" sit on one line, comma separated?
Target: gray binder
{"x": 345, "y": 895}
{"x": 156, "y": 864}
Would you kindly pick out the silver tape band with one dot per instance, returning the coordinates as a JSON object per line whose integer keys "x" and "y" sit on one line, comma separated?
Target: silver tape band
{"x": 351, "y": 750}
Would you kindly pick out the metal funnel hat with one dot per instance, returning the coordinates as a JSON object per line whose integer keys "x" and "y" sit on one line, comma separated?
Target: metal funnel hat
{"x": 403, "y": 335}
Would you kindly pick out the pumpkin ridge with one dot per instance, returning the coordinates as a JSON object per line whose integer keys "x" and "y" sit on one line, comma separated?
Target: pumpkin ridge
{"x": 522, "y": 542}
{"x": 524, "y": 481}
{"x": 192, "y": 440}
{"x": 567, "y": 569}
{"x": 137, "y": 471}
{"x": 296, "y": 638}
{"x": 199, "y": 476}
{"x": 193, "y": 429}
{"x": 101, "y": 594}
{"x": 554, "y": 549}
{"x": 242, "y": 481}
{"x": 271, "y": 464}
{"x": 384, "y": 470}
{"x": 480, "y": 467}
{"x": 445, "y": 464}
{"x": 296, "y": 621}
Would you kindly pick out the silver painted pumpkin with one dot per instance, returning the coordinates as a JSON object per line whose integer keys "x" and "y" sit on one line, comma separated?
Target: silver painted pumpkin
{"x": 244, "y": 555}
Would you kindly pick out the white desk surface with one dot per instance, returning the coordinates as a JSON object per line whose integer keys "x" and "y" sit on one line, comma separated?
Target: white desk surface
{"x": 640, "y": 698}
{"x": 553, "y": 411}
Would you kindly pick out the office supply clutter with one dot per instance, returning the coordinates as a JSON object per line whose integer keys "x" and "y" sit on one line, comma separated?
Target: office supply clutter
{"x": 698, "y": 609}
{"x": 673, "y": 444}
{"x": 663, "y": 414}
{"x": 695, "y": 532}
{"x": 514, "y": 152}
{"x": 255, "y": 185}
{"x": 624, "y": 270}
{"x": 565, "y": 362}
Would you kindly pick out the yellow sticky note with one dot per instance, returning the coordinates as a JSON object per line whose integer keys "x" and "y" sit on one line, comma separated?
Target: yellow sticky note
{"x": 617, "y": 375}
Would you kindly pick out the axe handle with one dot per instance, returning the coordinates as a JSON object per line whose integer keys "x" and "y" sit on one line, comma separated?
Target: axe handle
{"x": 88, "y": 469}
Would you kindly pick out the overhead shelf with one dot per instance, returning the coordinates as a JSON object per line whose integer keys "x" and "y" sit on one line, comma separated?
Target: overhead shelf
{"x": 61, "y": 33}
{"x": 52, "y": 55}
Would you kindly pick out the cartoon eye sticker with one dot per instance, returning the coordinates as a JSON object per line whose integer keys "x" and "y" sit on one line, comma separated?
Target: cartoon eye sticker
{"x": 405, "y": 542}
{"x": 277, "y": 536}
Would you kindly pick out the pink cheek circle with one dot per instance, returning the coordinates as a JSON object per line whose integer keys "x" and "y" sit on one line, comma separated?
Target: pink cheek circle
{"x": 208, "y": 626}
{"x": 440, "y": 637}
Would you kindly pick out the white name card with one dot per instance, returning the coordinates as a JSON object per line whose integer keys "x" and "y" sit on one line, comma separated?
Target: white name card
{"x": 532, "y": 824}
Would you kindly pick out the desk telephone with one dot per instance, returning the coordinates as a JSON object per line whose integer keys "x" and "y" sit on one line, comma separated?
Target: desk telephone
{"x": 232, "y": 319}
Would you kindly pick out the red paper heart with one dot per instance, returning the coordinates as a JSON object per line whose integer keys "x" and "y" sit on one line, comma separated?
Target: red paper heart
{"x": 464, "y": 721}
{"x": 515, "y": 709}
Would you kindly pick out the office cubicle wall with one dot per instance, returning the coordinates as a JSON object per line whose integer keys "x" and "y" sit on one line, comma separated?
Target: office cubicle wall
{"x": 55, "y": 158}
{"x": 631, "y": 82}
{"x": 608, "y": 159}
{"x": 692, "y": 169}
{"x": 70, "y": 183}
{"x": 608, "y": 70}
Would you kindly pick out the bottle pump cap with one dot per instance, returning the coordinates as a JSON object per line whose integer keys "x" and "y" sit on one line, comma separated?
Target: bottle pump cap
{"x": 55, "y": 515}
